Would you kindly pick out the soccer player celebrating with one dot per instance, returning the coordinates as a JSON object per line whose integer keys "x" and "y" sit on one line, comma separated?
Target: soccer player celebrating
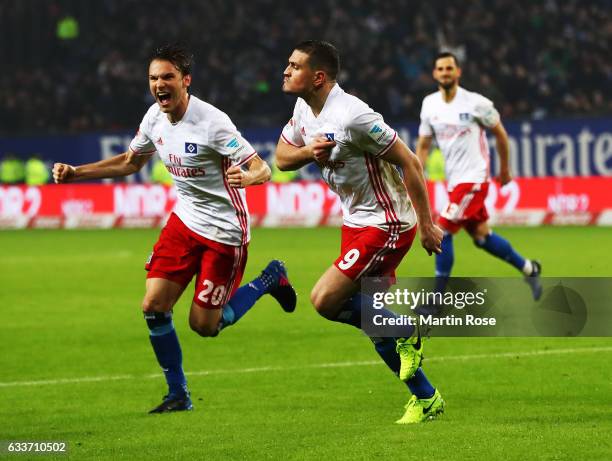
{"x": 358, "y": 154}
{"x": 208, "y": 233}
{"x": 458, "y": 118}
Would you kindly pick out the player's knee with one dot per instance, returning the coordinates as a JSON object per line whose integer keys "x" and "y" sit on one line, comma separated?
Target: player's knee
{"x": 479, "y": 233}
{"x": 154, "y": 304}
{"x": 205, "y": 330}
{"x": 480, "y": 240}
{"x": 322, "y": 300}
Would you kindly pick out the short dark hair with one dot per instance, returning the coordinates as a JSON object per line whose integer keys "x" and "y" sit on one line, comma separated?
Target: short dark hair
{"x": 177, "y": 54}
{"x": 322, "y": 55}
{"x": 445, "y": 54}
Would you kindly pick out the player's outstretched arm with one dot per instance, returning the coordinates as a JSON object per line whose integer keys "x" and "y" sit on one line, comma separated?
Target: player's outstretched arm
{"x": 422, "y": 149}
{"x": 120, "y": 165}
{"x": 257, "y": 172}
{"x": 402, "y": 156}
{"x": 503, "y": 149}
{"x": 289, "y": 158}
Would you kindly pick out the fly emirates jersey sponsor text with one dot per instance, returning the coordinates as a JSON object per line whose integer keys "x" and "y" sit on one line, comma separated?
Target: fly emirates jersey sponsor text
{"x": 197, "y": 151}
{"x": 371, "y": 189}
{"x": 459, "y": 130}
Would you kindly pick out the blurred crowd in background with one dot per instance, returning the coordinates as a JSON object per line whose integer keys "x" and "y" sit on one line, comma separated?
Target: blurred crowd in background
{"x": 75, "y": 66}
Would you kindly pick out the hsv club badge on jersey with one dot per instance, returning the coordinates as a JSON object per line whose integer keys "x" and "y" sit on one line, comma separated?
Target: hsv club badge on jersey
{"x": 191, "y": 148}
{"x": 329, "y": 136}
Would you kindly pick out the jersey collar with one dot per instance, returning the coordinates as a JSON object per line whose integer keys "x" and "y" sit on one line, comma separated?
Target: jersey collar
{"x": 186, "y": 114}
{"x": 459, "y": 93}
{"x": 333, "y": 93}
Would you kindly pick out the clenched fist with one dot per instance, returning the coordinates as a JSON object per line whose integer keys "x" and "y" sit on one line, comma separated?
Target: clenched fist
{"x": 63, "y": 172}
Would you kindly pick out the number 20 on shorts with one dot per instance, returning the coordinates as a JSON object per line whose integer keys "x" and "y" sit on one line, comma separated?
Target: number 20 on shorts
{"x": 212, "y": 293}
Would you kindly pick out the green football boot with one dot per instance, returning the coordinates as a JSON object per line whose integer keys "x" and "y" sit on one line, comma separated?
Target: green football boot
{"x": 410, "y": 351}
{"x": 421, "y": 410}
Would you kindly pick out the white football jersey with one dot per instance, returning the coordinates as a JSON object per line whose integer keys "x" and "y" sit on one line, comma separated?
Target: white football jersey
{"x": 371, "y": 189}
{"x": 197, "y": 151}
{"x": 459, "y": 129}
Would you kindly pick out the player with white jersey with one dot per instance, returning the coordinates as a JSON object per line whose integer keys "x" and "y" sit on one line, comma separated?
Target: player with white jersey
{"x": 207, "y": 235}
{"x": 460, "y": 133}
{"x": 458, "y": 119}
{"x": 198, "y": 151}
{"x": 358, "y": 154}
{"x": 352, "y": 125}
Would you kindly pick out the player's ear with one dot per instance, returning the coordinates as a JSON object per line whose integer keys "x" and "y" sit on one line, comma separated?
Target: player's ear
{"x": 319, "y": 78}
{"x": 187, "y": 81}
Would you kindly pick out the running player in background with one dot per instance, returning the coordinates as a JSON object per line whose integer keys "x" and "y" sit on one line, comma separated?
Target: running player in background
{"x": 458, "y": 119}
{"x": 208, "y": 233}
{"x": 358, "y": 154}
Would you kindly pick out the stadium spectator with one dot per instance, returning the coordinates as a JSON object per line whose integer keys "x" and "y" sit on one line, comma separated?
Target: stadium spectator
{"x": 67, "y": 28}
{"x": 160, "y": 174}
{"x": 279, "y": 176}
{"x": 11, "y": 170}
{"x": 389, "y": 47}
{"x": 36, "y": 172}
{"x": 434, "y": 167}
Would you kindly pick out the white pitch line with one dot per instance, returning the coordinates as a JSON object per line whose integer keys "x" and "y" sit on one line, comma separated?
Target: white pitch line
{"x": 449, "y": 358}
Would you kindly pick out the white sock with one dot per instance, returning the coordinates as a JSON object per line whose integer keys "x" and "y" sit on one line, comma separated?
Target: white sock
{"x": 528, "y": 267}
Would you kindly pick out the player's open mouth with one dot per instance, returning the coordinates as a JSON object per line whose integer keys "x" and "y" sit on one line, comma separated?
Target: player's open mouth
{"x": 163, "y": 98}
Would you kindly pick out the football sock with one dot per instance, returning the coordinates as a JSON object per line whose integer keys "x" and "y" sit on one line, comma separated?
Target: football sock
{"x": 243, "y": 299}
{"x": 385, "y": 347}
{"x": 444, "y": 263}
{"x": 500, "y": 247}
{"x": 418, "y": 384}
{"x": 167, "y": 350}
{"x": 528, "y": 267}
{"x": 351, "y": 313}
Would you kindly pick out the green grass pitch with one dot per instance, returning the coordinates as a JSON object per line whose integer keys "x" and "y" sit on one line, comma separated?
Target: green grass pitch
{"x": 76, "y": 364}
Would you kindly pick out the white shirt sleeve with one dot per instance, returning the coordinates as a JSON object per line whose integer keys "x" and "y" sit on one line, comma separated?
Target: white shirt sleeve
{"x": 225, "y": 139}
{"x": 142, "y": 144}
{"x": 425, "y": 128}
{"x": 370, "y": 133}
{"x": 291, "y": 132}
{"x": 485, "y": 113}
